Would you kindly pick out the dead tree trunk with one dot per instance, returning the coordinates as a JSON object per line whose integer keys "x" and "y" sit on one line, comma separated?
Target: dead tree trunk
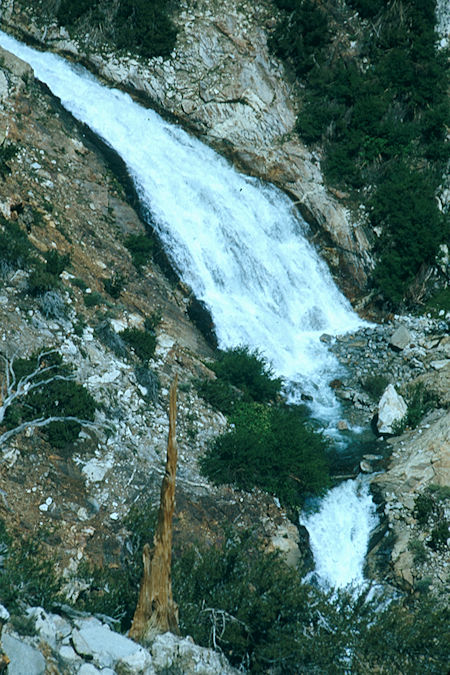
{"x": 156, "y": 612}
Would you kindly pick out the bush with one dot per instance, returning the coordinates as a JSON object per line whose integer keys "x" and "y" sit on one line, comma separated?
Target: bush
{"x": 40, "y": 281}
{"x": 7, "y": 152}
{"x": 141, "y": 249}
{"x": 249, "y": 371}
{"x": 28, "y": 576}
{"x": 52, "y": 305}
{"x": 93, "y": 299}
{"x": 60, "y": 397}
{"x": 114, "y": 285}
{"x": 16, "y": 252}
{"x": 375, "y": 385}
{"x": 143, "y": 342}
{"x": 55, "y": 262}
{"x": 272, "y": 449}
{"x": 219, "y": 394}
{"x": 420, "y": 401}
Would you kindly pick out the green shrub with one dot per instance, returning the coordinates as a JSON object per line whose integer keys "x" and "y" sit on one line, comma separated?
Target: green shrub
{"x": 420, "y": 401}
{"x": 28, "y": 575}
{"x": 7, "y": 152}
{"x": 272, "y": 449}
{"x": 59, "y": 397}
{"x": 108, "y": 336}
{"x": 219, "y": 394}
{"x": 93, "y": 299}
{"x": 382, "y": 117}
{"x": 16, "y": 252}
{"x": 143, "y": 342}
{"x": 424, "y": 508}
{"x": 418, "y": 550}
{"x": 375, "y": 385}
{"x": 249, "y": 371}
{"x": 145, "y": 26}
{"x": 114, "y": 285}
{"x": 439, "y": 536}
{"x": 40, "y": 281}
{"x": 55, "y": 262}
{"x": 200, "y": 316}
{"x": 141, "y": 249}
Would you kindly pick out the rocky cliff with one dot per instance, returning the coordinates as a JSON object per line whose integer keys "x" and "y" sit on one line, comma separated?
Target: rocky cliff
{"x": 222, "y": 83}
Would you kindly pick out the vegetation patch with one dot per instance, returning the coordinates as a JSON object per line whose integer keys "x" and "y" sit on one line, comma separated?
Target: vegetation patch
{"x": 142, "y": 341}
{"x": 379, "y": 111}
{"x": 141, "y": 249}
{"x": 271, "y": 448}
{"x": 143, "y": 27}
{"x": 53, "y": 392}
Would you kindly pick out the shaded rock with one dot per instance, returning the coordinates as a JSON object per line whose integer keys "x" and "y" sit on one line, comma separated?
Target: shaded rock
{"x": 24, "y": 659}
{"x": 175, "y": 654}
{"x": 400, "y": 339}
{"x": 391, "y": 410}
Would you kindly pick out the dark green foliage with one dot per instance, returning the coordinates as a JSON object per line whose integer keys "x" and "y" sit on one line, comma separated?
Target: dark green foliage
{"x": 219, "y": 394}
{"x": 27, "y": 575}
{"x": 57, "y": 398}
{"x": 439, "y": 536}
{"x": 40, "y": 281}
{"x": 71, "y": 10}
{"x": 145, "y": 27}
{"x": 55, "y": 262}
{"x": 93, "y": 299}
{"x": 418, "y": 550}
{"x": 269, "y": 448}
{"x": 375, "y": 385}
{"x": 114, "y": 285}
{"x": 424, "y": 508}
{"x": 420, "y": 401}
{"x": 143, "y": 342}
{"x": 200, "y": 315}
{"x": 249, "y": 371}
{"x": 45, "y": 277}
{"x": 141, "y": 249}
{"x": 381, "y": 118}
{"x": 301, "y": 35}
{"x": 243, "y": 600}
{"x": 140, "y": 26}
{"x": 15, "y": 249}
{"x": 7, "y": 152}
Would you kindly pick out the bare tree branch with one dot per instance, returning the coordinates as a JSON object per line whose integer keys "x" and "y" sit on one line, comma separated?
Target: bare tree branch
{"x": 13, "y": 389}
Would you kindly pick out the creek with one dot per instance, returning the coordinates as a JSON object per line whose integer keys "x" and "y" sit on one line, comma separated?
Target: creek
{"x": 242, "y": 247}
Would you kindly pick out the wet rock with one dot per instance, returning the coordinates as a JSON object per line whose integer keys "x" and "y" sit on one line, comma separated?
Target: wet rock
{"x": 391, "y": 410}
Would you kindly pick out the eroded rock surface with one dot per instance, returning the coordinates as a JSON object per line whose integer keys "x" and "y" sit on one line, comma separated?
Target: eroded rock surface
{"x": 222, "y": 83}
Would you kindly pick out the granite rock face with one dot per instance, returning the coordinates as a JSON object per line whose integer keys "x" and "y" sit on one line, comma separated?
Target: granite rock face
{"x": 222, "y": 83}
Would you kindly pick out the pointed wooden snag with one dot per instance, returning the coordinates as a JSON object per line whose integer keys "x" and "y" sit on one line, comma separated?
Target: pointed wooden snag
{"x": 156, "y": 612}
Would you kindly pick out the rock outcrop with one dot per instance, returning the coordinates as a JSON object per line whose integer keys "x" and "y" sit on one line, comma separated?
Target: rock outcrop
{"x": 74, "y": 644}
{"x": 222, "y": 83}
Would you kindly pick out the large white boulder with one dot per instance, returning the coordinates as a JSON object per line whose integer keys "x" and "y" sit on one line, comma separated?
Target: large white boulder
{"x": 391, "y": 410}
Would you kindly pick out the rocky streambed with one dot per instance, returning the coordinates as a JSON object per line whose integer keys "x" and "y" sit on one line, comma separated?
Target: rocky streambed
{"x": 411, "y": 467}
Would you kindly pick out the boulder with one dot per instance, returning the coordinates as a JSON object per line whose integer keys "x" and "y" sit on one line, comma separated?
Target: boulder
{"x": 400, "y": 339}
{"x": 391, "y": 410}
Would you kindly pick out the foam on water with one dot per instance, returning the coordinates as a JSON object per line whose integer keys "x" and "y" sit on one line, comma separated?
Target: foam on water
{"x": 241, "y": 246}
{"x": 236, "y": 241}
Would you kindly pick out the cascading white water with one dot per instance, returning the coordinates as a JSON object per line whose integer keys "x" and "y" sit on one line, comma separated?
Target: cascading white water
{"x": 238, "y": 243}
{"x": 339, "y": 531}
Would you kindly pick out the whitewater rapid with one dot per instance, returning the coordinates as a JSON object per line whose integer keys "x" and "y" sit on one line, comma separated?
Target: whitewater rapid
{"x": 237, "y": 242}
{"x": 339, "y": 532}
{"x": 242, "y": 248}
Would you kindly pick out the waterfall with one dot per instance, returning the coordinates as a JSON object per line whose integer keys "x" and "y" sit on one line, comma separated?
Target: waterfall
{"x": 236, "y": 241}
{"x": 339, "y": 531}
